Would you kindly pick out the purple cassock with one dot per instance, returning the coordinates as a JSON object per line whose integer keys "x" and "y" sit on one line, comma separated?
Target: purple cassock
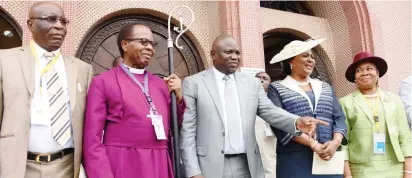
{"x": 129, "y": 148}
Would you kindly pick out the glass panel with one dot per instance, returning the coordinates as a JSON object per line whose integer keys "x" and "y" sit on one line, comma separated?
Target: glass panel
{"x": 9, "y": 38}
{"x": 289, "y": 6}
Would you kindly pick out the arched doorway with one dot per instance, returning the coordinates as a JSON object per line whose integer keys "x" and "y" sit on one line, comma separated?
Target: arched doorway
{"x": 10, "y": 33}
{"x": 99, "y": 48}
{"x": 274, "y": 42}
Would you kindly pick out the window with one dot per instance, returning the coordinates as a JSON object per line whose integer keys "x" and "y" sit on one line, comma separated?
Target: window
{"x": 9, "y": 34}
{"x": 289, "y": 6}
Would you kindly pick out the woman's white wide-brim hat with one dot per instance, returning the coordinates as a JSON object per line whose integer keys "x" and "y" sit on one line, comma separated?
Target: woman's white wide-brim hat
{"x": 295, "y": 48}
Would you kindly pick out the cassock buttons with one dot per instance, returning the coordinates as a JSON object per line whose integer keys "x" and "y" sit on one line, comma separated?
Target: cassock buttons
{"x": 222, "y": 152}
{"x": 223, "y": 133}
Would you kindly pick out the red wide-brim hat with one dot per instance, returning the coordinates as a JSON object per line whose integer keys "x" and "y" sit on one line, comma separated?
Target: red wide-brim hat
{"x": 362, "y": 57}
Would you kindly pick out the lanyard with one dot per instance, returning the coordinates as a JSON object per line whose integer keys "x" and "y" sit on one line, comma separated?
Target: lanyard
{"x": 374, "y": 110}
{"x": 45, "y": 69}
{"x": 144, "y": 89}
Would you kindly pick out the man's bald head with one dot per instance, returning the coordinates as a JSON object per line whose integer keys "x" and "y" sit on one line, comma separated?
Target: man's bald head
{"x": 39, "y": 8}
{"x": 47, "y": 24}
{"x": 225, "y": 54}
{"x": 219, "y": 39}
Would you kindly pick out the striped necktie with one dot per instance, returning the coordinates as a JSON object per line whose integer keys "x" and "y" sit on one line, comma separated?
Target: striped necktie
{"x": 59, "y": 112}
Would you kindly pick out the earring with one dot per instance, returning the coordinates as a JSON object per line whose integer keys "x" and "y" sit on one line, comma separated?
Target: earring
{"x": 291, "y": 66}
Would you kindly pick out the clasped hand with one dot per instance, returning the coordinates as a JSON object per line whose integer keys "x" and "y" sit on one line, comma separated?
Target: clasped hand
{"x": 327, "y": 150}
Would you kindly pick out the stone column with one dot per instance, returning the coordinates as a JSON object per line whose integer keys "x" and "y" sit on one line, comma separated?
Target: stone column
{"x": 242, "y": 20}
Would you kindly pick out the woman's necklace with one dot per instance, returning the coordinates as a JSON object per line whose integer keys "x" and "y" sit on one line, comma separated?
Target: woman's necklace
{"x": 302, "y": 84}
{"x": 371, "y": 95}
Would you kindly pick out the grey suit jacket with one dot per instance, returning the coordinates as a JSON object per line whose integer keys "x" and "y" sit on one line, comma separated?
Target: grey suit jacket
{"x": 202, "y": 134}
{"x": 17, "y": 68}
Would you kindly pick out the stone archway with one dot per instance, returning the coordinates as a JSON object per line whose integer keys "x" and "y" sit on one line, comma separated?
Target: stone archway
{"x": 274, "y": 42}
{"x": 99, "y": 48}
{"x": 10, "y": 32}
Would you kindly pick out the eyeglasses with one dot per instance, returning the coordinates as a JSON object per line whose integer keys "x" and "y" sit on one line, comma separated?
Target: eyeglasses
{"x": 143, "y": 41}
{"x": 52, "y": 19}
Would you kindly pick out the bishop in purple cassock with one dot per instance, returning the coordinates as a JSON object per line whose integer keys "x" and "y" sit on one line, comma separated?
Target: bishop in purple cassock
{"x": 118, "y": 107}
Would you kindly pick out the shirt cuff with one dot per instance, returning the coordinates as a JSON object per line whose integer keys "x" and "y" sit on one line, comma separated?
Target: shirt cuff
{"x": 297, "y": 132}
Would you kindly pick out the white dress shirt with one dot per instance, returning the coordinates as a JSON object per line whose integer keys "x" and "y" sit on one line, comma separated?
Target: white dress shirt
{"x": 221, "y": 89}
{"x": 405, "y": 92}
{"x": 41, "y": 138}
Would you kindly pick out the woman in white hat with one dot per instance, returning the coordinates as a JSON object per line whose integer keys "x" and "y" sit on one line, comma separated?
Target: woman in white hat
{"x": 303, "y": 96}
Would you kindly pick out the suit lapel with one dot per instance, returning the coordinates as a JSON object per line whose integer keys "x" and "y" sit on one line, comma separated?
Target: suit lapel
{"x": 317, "y": 90}
{"x": 71, "y": 72}
{"x": 361, "y": 102}
{"x": 242, "y": 94}
{"x": 27, "y": 64}
{"x": 387, "y": 105}
{"x": 210, "y": 82}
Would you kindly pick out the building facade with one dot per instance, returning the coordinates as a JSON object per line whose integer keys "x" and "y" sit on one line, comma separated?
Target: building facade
{"x": 261, "y": 28}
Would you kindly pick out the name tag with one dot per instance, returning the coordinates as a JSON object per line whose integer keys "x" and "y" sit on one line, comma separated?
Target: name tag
{"x": 379, "y": 146}
{"x": 157, "y": 122}
{"x": 40, "y": 116}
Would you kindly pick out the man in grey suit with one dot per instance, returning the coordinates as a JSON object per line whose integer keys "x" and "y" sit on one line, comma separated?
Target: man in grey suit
{"x": 218, "y": 132}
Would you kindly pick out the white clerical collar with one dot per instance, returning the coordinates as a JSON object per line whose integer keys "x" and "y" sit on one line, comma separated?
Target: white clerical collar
{"x": 134, "y": 70}
{"x": 40, "y": 51}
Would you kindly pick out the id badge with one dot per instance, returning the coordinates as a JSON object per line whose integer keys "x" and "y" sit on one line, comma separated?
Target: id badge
{"x": 379, "y": 146}
{"x": 39, "y": 116}
{"x": 157, "y": 123}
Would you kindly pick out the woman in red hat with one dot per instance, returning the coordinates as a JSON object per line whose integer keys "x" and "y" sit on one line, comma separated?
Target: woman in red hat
{"x": 379, "y": 136}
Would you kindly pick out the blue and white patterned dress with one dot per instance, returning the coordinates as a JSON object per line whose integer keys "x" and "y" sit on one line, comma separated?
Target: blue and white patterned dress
{"x": 294, "y": 160}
